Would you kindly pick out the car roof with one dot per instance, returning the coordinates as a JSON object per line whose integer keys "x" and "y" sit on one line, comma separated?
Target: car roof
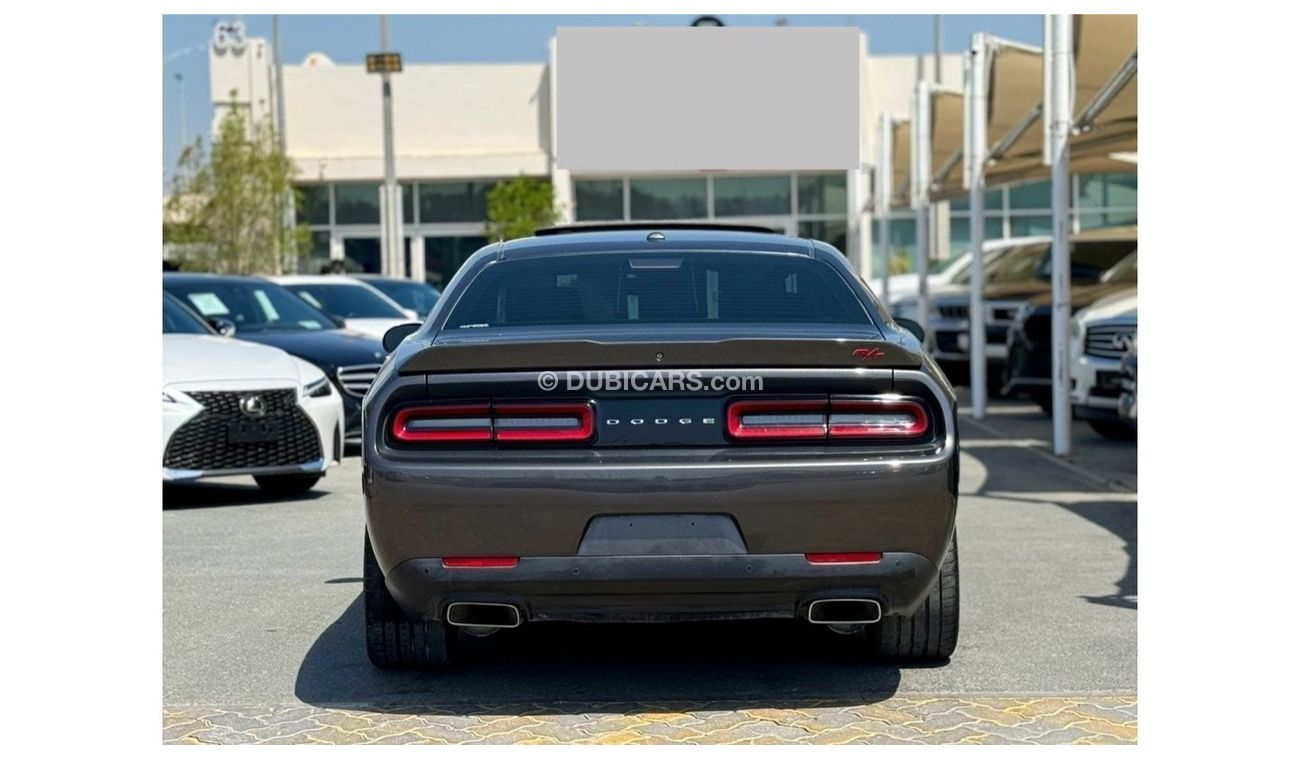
{"x": 308, "y": 279}
{"x": 183, "y": 277}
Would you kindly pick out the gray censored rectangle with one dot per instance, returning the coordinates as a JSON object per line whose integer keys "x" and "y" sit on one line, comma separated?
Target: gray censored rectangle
{"x": 650, "y": 99}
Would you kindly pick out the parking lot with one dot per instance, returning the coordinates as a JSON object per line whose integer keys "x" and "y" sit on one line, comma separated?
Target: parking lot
{"x": 263, "y": 631}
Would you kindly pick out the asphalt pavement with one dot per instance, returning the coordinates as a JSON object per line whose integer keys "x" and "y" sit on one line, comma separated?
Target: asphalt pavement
{"x": 262, "y": 630}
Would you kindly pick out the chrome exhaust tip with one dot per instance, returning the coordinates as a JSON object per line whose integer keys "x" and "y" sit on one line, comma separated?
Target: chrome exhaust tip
{"x": 483, "y": 615}
{"x": 844, "y": 611}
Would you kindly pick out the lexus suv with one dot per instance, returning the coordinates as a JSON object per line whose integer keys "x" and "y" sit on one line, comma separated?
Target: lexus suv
{"x": 658, "y": 423}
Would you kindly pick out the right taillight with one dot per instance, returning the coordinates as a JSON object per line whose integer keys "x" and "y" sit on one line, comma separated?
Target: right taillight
{"x": 877, "y": 418}
{"x": 833, "y": 418}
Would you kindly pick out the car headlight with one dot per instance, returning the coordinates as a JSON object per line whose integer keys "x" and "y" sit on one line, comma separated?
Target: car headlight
{"x": 1075, "y": 328}
{"x": 168, "y": 399}
{"x": 318, "y": 389}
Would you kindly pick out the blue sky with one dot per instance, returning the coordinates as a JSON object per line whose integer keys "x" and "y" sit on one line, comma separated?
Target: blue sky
{"x": 487, "y": 39}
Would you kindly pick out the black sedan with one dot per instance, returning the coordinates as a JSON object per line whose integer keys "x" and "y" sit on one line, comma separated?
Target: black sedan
{"x": 257, "y": 310}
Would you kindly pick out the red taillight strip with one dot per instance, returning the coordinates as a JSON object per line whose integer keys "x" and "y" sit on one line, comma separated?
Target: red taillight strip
{"x": 920, "y": 421}
{"x": 737, "y": 427}
{"x": 552, "y": 422}
{"x": 843, "y": 558}
{"x": 581, "y": 413}
{"x": 460, "y": 422}
{"x": 480, "y": 562}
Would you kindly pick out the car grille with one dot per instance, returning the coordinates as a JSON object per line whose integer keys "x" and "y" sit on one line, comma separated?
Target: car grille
{"x": 356, "y": 380}
{"x": 1108, "y": 341}
{"x": 954, "y": 311}
{"x": 201, "y": 444}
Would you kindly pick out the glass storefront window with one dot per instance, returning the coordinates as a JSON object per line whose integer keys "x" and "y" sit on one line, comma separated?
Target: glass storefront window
{"x": 1026, "y": 225}
{"x": 454, "y": 201}
{"x": 318, "y": 256}
{"x": 902, "y": 234}
{"x": 669, "y": 198}
{"x": 444, "y": 255}
{"x": 835, "y": 233}
{"x": 1092, "y": 220}
{"x": 823, "y": 194}
{"x": 750, "y": 196}
{"x": 959, "y": 232}
{"x": 992, "y": 202}
{"x": 1030, "y": 195}
{"x": 313, "y": 204}
{"x": 356, "y": 204}
{"x": 598, "y": 200}
{"x": 1107, "y": 191}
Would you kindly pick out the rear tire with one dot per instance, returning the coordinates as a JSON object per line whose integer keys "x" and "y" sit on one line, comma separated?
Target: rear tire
{"x": 393, "y": 640}
{"x": 930, "y": 633}
{"x": 287, "y": 485}
{"x": 1114, "y": 430}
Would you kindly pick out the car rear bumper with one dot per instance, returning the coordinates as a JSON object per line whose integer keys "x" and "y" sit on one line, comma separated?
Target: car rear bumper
{"x": 662, "y": 588}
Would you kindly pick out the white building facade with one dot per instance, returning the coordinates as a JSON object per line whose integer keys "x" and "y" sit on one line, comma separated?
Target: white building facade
{"x": 459, "y": 129}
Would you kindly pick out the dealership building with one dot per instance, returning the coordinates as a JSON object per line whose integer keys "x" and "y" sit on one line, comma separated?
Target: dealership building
{"x": 461, "y": 128}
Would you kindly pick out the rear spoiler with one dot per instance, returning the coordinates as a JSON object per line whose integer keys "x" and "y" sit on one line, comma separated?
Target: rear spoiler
{"x": 733, "y": 353}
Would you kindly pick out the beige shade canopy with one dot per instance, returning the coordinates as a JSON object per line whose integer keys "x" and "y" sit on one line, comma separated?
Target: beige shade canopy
{"x": 1102, "y": 45}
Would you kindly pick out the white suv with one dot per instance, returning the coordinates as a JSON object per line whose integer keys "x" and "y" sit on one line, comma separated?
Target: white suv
{"x": 1100, "y": 335}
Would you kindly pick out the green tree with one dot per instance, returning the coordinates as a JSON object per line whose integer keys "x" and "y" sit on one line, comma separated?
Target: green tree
{"x": 226, "y": 209}
{"x": 518, "y": 207}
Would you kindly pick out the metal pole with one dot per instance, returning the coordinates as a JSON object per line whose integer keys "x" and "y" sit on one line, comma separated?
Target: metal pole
{"x": 180, "y": 98}
{"x": 1060, "y": 116}
{"x": 978, "y": 142}
{"x": 392, "y": 235}
{"x": 938, "y": 49}
{"x": 885, "y": 197}
{"x": 287, "y": 217}
{"x": 921, "y": 199}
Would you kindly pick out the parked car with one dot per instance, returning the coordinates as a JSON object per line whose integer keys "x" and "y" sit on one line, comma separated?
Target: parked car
{"x": 1017, "y": 276}
{"x": 1128, "y": 383}
{"x": 258, "y": 310}
{"x": 498, "y": 492}
{"x": 1100, "y": 337}
{"x": 1029, "y": 341}
{"x": 954, "y": 271}
{"x": 236, "y": 408}
{"x": 413, "y": 295}
{"x": 360, "y": 306}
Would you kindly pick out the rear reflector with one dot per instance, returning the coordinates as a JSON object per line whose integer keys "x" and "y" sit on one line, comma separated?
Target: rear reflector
{"x": 843, "y": 558}
{"x": 480, "y": 561}
{"x": 830, "y": 418}
{"x": 509, "y": 423}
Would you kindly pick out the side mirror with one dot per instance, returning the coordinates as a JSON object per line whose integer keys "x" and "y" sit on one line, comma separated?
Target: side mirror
{"x": 222, "y": 325}
{"x": 911, "y": 326}
{"x": 396, "y": 335}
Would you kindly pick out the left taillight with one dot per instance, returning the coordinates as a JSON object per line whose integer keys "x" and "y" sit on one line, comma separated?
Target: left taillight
{"x": 505, "y": 423}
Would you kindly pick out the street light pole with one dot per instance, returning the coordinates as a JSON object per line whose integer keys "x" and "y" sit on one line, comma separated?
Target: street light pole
{"x": 921, "y": 199}
{"x": 180, "y": 99}
{"x": 1059, "y": 86}
{"x": 391, "y": 242}
{"x": 977, "y": 144}
{"x": 884, "y": 197}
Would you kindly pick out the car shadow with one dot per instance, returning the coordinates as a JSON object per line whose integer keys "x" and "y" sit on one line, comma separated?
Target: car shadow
{"x": 1031, "y": 481}
{"x": 202, "y": 495}
{"x": 558, "y": 668}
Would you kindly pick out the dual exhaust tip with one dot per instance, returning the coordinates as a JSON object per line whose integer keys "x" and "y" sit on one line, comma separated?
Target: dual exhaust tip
{"x": 495, "y": 615}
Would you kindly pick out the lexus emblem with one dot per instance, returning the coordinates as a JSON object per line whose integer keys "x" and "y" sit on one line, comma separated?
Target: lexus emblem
{"x": 252, "y": 405}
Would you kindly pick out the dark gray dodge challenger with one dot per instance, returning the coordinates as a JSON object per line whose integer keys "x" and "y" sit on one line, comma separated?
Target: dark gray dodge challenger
{"x": 658, "y": 423}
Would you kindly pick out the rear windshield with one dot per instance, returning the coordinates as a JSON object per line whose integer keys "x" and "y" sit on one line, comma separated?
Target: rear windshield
{"x": 686, "y": 288}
